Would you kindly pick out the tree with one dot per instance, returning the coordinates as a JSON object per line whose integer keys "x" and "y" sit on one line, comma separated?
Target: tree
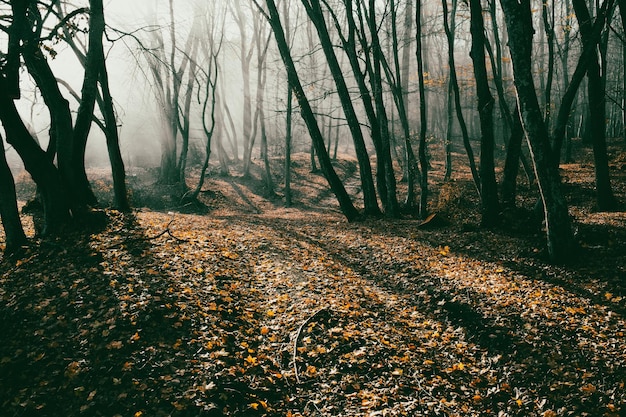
{"x": 354, "y": 43}
{"x": 64, "y": 188}
{"x": 423, "y": 206}
{"x": 211, "y": 49}
{"x": 560, "y": 237}
{"x": 104, "y": 101}
{"x": 314, "y": 10}
{"x": 457, "y": 94}
{"x": 488, "y": 186}
{"x": 273, "y": 17}
{"x": 246, "y": 53}
{"x": 596, "y": 91}
{"x": 15, "y": 237}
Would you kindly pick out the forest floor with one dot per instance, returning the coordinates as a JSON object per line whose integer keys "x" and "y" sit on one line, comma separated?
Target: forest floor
{"x": 253, "y": 309}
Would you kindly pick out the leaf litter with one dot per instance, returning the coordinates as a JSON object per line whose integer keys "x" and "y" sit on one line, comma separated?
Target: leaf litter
{"x": 297, "y": 313}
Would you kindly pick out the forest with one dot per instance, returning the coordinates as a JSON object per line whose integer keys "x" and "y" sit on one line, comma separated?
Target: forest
{"x": 313, "y": 208}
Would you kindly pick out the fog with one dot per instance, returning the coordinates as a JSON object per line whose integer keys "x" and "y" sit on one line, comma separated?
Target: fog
{"x": 142, "y": 36}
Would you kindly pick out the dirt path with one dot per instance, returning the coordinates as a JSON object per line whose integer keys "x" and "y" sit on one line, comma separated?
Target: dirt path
{"x": 387, "y": 325}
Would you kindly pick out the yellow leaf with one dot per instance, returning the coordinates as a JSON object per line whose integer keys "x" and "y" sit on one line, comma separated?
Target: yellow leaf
{"x": 428, "y": 362}
{"x": 135, "y": 337}
{"x": 264, "y": 330}
{"x": 589, "y": 388}
{"x": 270, "y": 313}
{"x": 311, "y": 370}
{"x": 139, "y": 414}
{"x": 254, "y": 406}
{"x": 251, "y": 360}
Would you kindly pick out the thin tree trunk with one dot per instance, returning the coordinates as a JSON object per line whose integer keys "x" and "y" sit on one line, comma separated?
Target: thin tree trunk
{"x": 489, "y": 189}
{"x": 38, "y": 165}
{"x": 370, "y": 202}
{"x": 596, "y": 89}
{"x": 345, "y": 204}
{"x": 457, "y": 95}
{"x": 511, "y": 164}
{"x": 13, "y": 230}
{"x": 423, "y": 204}
{"x": 560, "y": 237}
{"x": 288, "y": 194}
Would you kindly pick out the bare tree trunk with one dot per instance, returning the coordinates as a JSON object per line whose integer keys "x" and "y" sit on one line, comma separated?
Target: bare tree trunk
{"x": 560, "y": 237}
{"x": 246, "y": 58}
{"x": 13, "y": 230}
{"x": 37, "y": 163}
{"x": 118, "y": 172}
{"x": 489, "y": 189}
{"x": 370, "y": 202}
{"x": 457, "y": 95}
{"x": 423, "y": 204}
{"x": 288, "y": 195}
{"x": 347, "y": 208}
{"x": 596, "y": 90}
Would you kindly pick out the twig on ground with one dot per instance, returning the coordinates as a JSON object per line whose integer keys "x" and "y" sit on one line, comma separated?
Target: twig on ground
{"x": 147, "y": 238}
{"x": 297, "y": 338}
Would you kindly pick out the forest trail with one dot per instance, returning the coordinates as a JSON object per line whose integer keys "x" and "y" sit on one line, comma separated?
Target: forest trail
{"x": 295, "y": 312}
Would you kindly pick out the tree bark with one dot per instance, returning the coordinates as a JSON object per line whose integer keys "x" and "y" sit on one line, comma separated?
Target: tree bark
{"x": 596, "y": 89}
{"x": 37, "y": 163}
{"x": 488, "y": 185}
{"x": 345, "y": 204}
{"x": 423, "y": 204}
{"x": 370, "y": 201}
{"x": 560, "y": 237}
{"x": 13, "y": 230}
{"x": 457, "y": 95}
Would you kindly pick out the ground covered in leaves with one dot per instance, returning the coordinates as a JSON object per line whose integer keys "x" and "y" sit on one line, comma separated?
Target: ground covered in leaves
{"x": 257, "y": 310}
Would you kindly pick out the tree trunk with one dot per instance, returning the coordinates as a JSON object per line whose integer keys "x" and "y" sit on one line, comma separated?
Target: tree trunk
{"x": 622, "y": 12}
{"x": 120, "y": 193}
{"x": 246, "y": 57}
{"x": 489, "y": 189}
{"x": 370, "y": 201}
{"x": 345, "y": 204}
{"x": 423, "y": 204}
{"x": 511, "y": 164}
{"x": 81, "y": 189}
{"x": 385, "y": 183}
{"x": 560, "y": 237}
{"x": 38, "y": 165}
{"x": 596, "y": 89}
{"x": 14, "y": 233}
{"x": 288, "y": 195}
{"x": 457, "y": 95}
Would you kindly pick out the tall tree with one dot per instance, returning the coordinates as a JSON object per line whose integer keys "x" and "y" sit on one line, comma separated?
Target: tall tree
{"x": 596, "y": 92}
{"x": 488, "y": 186}
{"x": 314, "y": 10}
{"x": 246, "y": 53}
{"x": 560, "y": 237}
{"x": 345, "y": 203}
{"x": 13, "y": 230}
{"x": 423, "y": 205}
{"x": 457, "y": 94}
